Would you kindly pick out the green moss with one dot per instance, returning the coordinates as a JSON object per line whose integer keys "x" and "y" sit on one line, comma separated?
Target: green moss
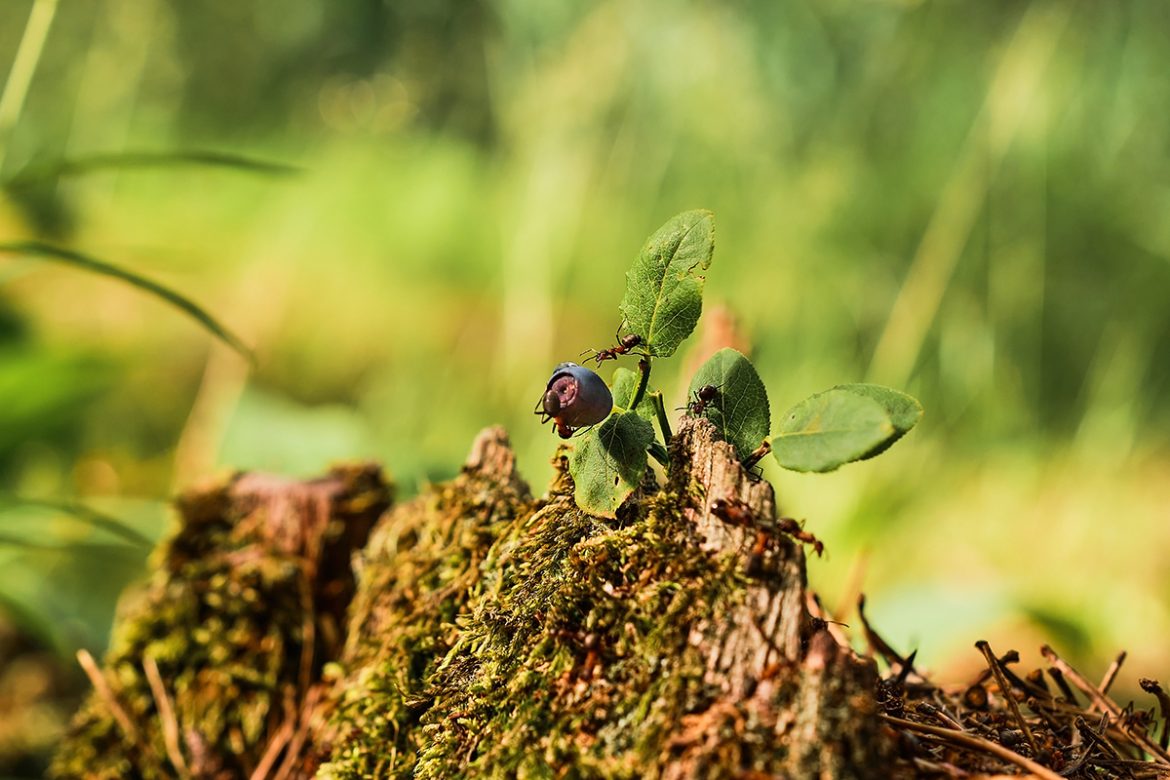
{"x": 226, "y": 618}
{"x": 535, "y": 642}
{"x": 421, "y": 570}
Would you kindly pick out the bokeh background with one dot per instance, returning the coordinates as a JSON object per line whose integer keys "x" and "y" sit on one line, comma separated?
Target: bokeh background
{"x": 968, "y": 201}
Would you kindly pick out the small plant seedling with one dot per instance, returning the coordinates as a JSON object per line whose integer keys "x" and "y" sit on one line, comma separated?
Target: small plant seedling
{"x": 660, "y": 309}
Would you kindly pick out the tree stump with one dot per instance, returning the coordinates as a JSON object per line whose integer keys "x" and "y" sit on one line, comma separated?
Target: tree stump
{"x": 491, "y": 634}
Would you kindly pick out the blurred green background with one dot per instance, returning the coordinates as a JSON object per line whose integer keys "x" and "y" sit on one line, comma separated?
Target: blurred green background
{"x": 968, "y": 201}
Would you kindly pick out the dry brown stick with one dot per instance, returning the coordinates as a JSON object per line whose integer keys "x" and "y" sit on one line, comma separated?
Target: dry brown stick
{"x": 940, "y": 704}
{"x": 927, "y": 708}
{"x": 300, "y": 734}
{"x": 1107, "y": 704}
{"x": 1044, "y": 711}
{"x": 1099, "y": 740}
{"x": 1006, "y": 690}
{"x": 1011, "y": 657}
{"x": 1111, "y": 674}
{"x": 888, "y": 653}
{"x": 1150, "y": 772}
{"x": 102, "y": 687}
{"x": 950, "y": 770}
{"x": 1061, "y": 683}
{"x": 1155, "y": 689}
{"x": 166, "y": 716}
{"x": 276, "y": 742}
{"x": 1086, "y": 687}
{"x": 976, "y": 743}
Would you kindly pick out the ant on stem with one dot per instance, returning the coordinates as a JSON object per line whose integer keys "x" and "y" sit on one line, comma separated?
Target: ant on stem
{"x": 625, "y": 345}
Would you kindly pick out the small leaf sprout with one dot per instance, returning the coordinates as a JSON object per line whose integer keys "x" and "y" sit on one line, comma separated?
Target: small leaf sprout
{"x": 660, "y": 309}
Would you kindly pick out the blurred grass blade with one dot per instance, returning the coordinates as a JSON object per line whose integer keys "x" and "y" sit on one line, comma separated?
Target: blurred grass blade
{"x": 69, "y": 257}
{"x": 96, "y": 549}
{"x": 111, "y": 525}
{"x": 122, "y": 160}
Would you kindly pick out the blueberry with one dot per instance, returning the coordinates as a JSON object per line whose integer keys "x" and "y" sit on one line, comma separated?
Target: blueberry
{"x": 575, "y": 397}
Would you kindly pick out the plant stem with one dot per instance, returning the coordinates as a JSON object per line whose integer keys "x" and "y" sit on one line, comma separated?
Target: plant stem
{"x": 24, "y": 65}
{"x": 759, "y": 452}
{"x": 660, "y": 410}
{"x": 658, "y": 452}
{"x": 644, "y": 367}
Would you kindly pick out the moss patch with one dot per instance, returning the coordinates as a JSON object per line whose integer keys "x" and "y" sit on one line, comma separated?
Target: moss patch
{"x": 537, "y": 641}
{"x": 234, "y": 621}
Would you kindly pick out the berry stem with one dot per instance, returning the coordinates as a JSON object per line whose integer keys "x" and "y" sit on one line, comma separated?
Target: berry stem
{"x": 644, "y": 367}
{"x": 658, "y": 452}
{"x": 660, "y": 411}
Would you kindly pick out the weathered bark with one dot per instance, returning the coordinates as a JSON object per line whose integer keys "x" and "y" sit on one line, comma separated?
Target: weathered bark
{"x": 774, "y": 662}
{"x": 494, "y": 635}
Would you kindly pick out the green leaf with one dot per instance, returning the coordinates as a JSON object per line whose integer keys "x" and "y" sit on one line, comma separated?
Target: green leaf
{"x": 904, "y": 411}
{"x": 76, "y": 259}
{"x": 608, "y": 462}
{"x": 624, "y": 385}
{"x": 740, "y": 411}
{"x": 831, "y": 429}
{"x": 664, "y": 286}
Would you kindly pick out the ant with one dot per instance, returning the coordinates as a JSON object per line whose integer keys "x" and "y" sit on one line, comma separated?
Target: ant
{"x": 625, "y": 345}
{"x": 733, "y": 511}
{"x": 701, "y": 399}
{"x": 755, "y": 562}
{"x": 549, "y": 408}
{"x": 704, "y": 397}
{"x": 738, "y": 513}
{"x": 794, "y": 529}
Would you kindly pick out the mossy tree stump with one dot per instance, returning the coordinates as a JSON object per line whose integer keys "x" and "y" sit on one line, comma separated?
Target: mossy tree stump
{"x": 497, "y": 635}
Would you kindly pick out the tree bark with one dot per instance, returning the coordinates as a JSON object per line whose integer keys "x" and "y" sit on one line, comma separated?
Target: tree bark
{"x": 491, "y": 634}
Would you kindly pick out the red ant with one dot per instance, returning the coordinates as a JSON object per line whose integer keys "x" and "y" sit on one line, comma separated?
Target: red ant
{"x": 738, "y": 513}
{"x": 703, "y": 397}
{"x": 549, "y": 408}
{"x": 625, "y": 345}
{"x": 755, "y": 561}
{"x": 733, "y": 511}
{"x": 789, "y": 526}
